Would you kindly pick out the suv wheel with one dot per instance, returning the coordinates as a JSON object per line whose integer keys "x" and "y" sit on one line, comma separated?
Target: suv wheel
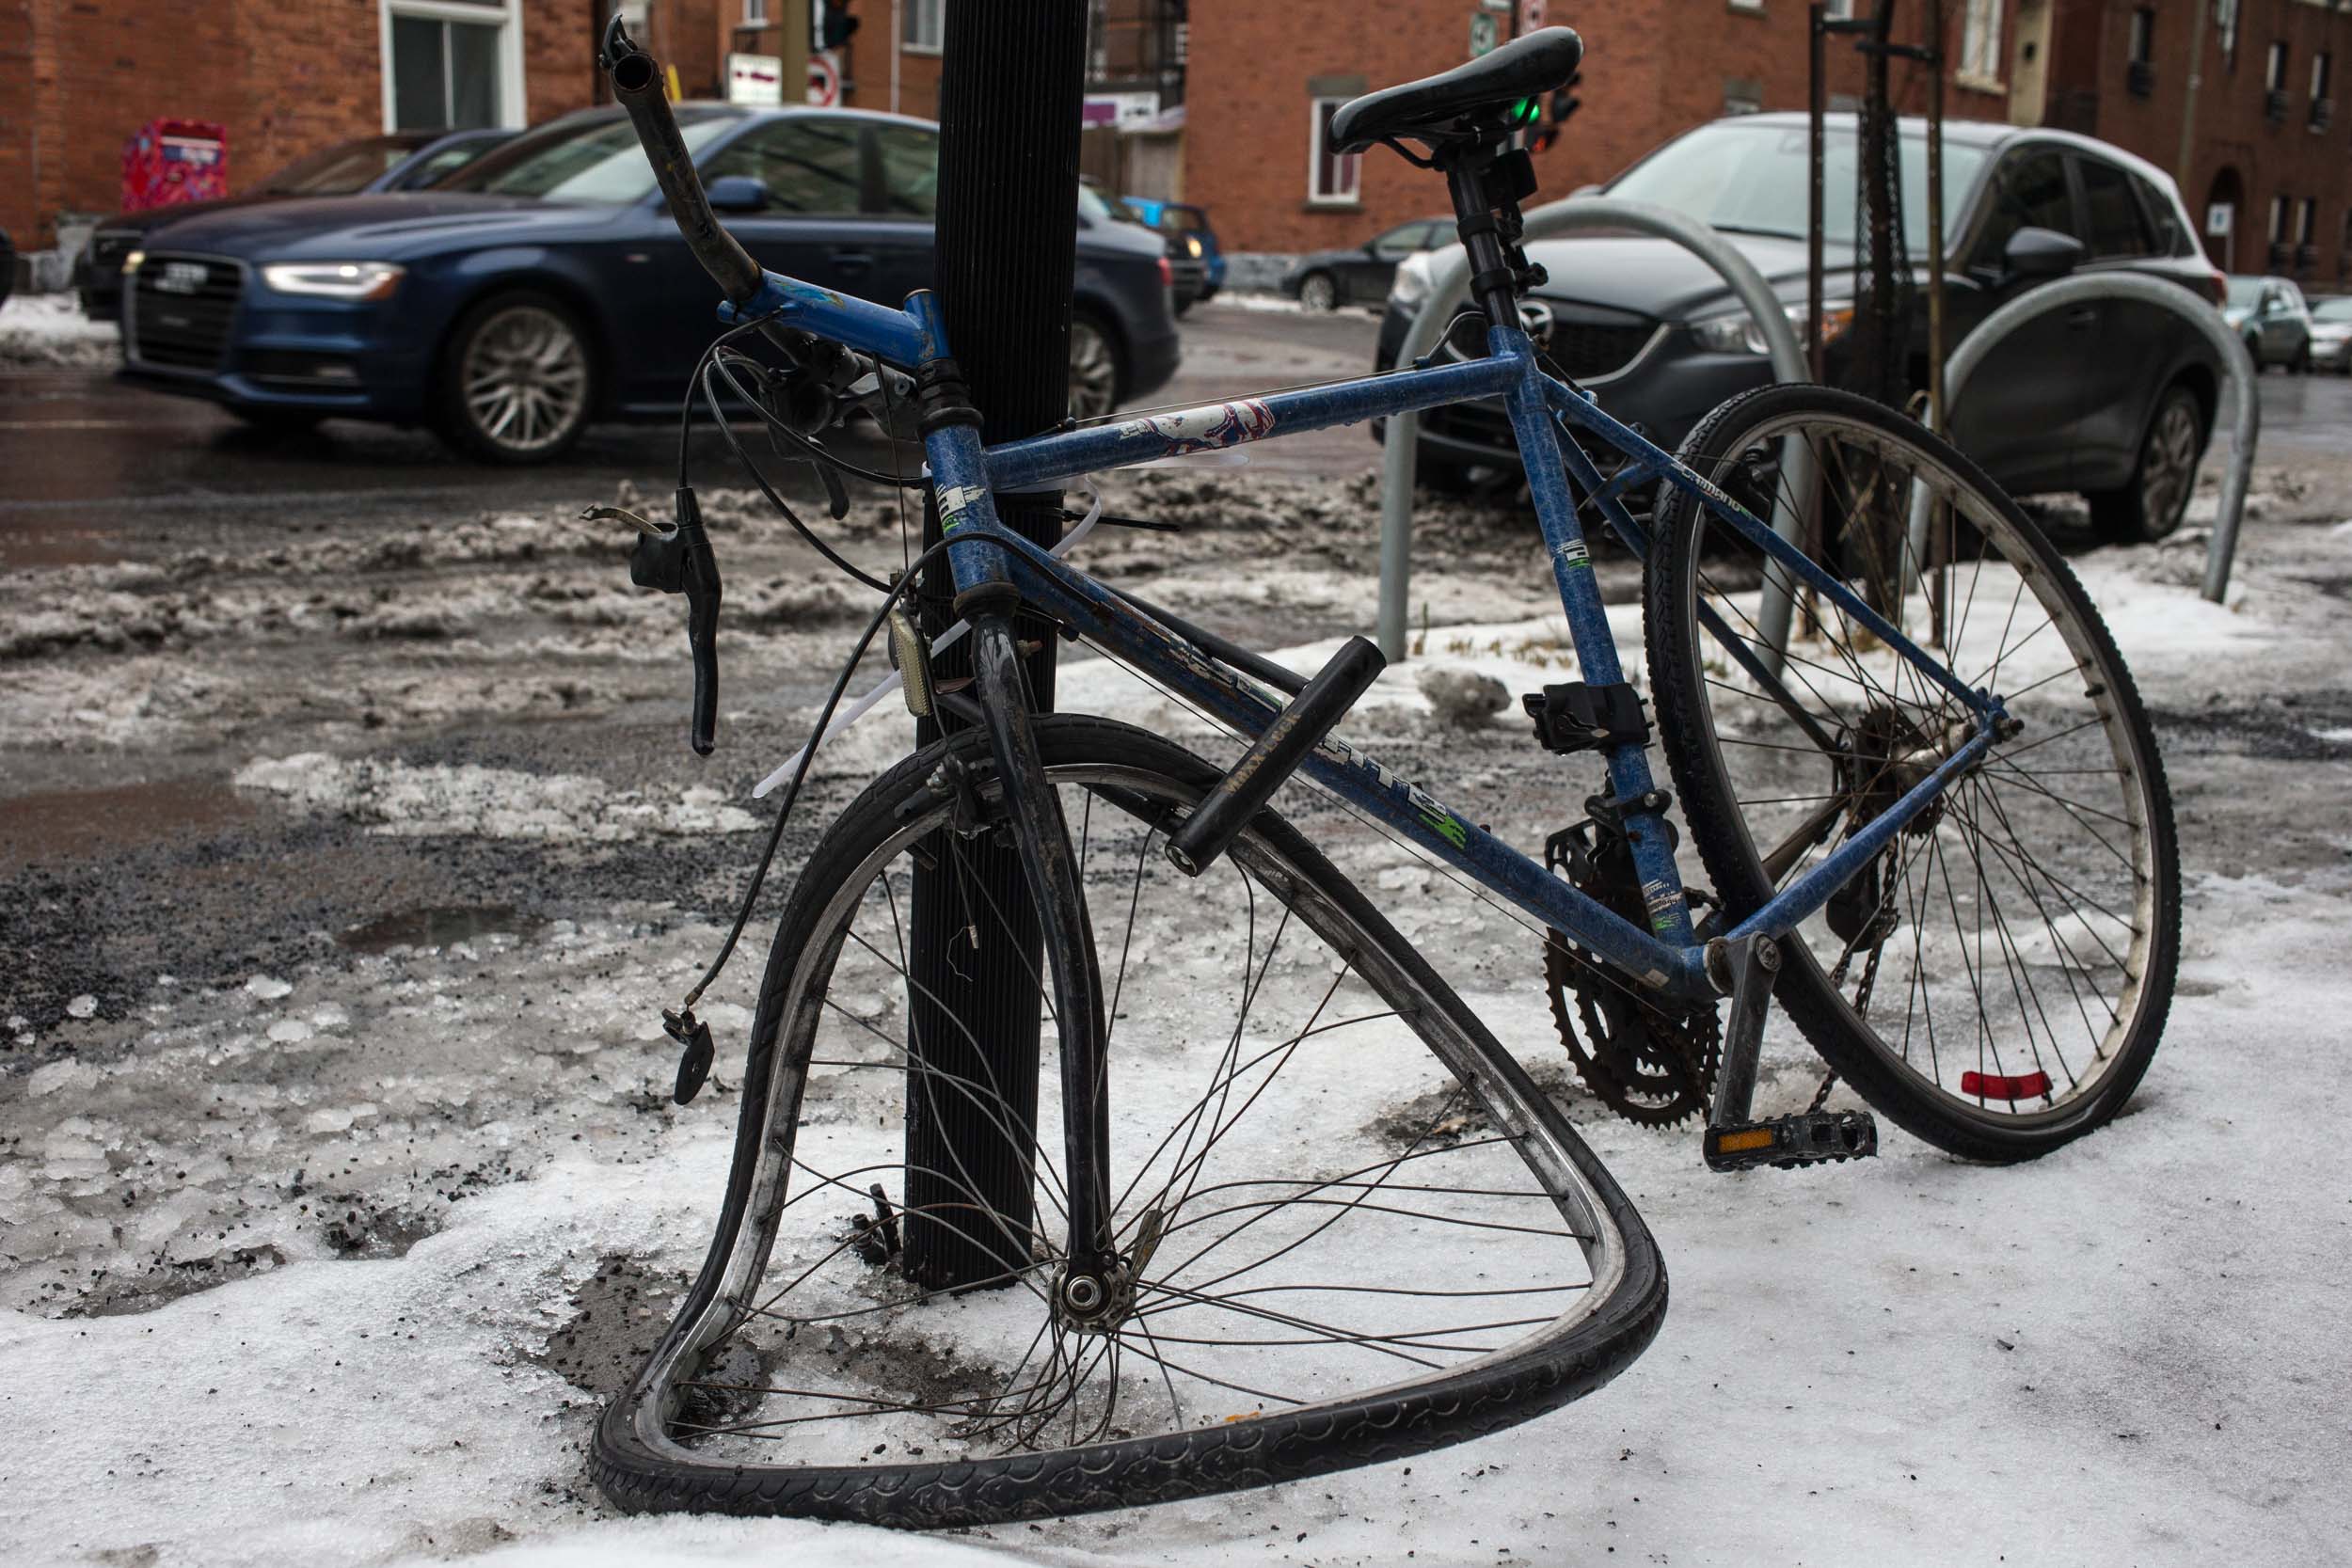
{"x": 518, "y": 381}
{"x": 1319, "y": 291}
{"x": 2150, "y": 505}
{"x": 1095, "y": 373}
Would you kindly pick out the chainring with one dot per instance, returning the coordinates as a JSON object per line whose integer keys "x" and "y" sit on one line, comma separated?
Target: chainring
{"x": 1653, "y": 1067}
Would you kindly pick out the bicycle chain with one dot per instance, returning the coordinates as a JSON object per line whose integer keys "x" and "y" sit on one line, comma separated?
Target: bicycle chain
{"x": 1864, "y": 988}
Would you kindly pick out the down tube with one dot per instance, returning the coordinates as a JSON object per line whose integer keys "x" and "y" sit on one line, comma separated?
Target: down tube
{"x": 1144, "y": 646}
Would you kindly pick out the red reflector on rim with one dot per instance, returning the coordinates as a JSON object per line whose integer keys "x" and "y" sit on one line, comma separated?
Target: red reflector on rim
{"x": 2005, "y": 1086}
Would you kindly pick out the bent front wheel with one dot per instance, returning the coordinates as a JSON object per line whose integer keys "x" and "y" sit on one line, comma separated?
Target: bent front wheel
{"x": 1354, "y": 1230}
{"x": 1996, "y": 978}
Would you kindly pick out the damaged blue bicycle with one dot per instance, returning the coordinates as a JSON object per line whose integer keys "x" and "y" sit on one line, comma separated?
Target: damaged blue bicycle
{"x": 1280, "y": 1204}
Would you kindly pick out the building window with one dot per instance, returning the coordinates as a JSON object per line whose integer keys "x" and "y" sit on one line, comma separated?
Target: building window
{"x": 2143, "y": 35}
{"x": 2278, "y": 219}
{"x": 2225, "y": 19}
{"x": 2322, "y": 67}
{"x": 1742, "y": 95}
{"x": 2275, "y": 69}
{"x": 1980, "y": 43}
{"x": 925, "y": 26}
{"x": 455, "y": 64}
{"x": 2307, "y": 220}
{"x": 1838, "y": 10}
{"x": 754, "y": 13}
{"x": 1330, "y": 175}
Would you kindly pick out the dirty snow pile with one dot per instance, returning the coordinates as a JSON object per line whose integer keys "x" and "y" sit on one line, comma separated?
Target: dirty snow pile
{"x": 295, "y": 1275}
{"x": 39, "y": 331}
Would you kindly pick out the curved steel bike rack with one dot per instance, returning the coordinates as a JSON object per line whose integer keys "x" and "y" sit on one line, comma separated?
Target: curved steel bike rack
{"x": 2170, "y": 296}
{"x": 1451, "y": 291}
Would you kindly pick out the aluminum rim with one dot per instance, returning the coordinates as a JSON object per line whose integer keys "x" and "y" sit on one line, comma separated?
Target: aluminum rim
{"x": 1093, "y": 372}
{"x": 526, "y": 379}
{"x": 2105, "y": 722}
{"x": 1318, "y": 292}
{"x": 2167, "y": 466}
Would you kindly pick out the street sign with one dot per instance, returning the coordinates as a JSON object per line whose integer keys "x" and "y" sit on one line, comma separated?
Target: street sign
{"x": 1484, "y": 33}
{"x": 824, "y": 80}
{"x": 1119, "y": 108}
{"x": 756, "y": 79}
{"x": 2220, "y": 218}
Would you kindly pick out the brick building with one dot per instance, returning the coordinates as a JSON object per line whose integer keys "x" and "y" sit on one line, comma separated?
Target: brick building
{"x": 286, "y": 77}
{"x": 2237, "y": 99}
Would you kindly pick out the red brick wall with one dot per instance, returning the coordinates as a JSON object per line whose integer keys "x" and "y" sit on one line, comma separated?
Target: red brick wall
{"x": 2230, "y": 129}
{"x": 1652, "y": 69}
{"x": 286, "y": 77}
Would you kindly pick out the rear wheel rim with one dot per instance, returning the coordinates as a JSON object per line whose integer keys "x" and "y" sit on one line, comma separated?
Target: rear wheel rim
{"x": 1172, "y": 1386}
{"x": 2040, "y": 902}
{"x": 524, "y": 378}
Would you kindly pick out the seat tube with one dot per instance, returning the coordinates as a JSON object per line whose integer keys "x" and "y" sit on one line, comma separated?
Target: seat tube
{"x": 1630, "y": 777}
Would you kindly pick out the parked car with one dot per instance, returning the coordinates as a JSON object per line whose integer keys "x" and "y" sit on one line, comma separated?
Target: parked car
{"x": 1329, "y": 278}
{"x": 2332, "y": 334}
{"x": 1192, "y": 246}
{"x": 2114, "y": 398}
{"x": 400, "y": 161}
{"x": 545, "y": 286}
{"x": 2274, "y": 320}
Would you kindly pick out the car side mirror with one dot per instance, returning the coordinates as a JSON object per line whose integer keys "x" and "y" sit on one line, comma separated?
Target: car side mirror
{"x": 737, "y": 193}
{"x": 2036, "y": 255}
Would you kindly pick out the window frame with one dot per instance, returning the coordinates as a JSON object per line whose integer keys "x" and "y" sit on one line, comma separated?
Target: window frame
{"x": 505, "y": 15}
{"x": 1980, "y": 26}
{"x": 2087, "y": 208}
{"x": 1353, "y": 163}
{"x": 911, "y": 23}
{"x": 2141, "y": 41}
{"x": 2323, "y": 74}
{"x": 2275, "y": 63}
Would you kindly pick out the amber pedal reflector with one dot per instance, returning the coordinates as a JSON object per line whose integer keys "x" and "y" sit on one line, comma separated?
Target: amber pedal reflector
{"x": 2006, "y": 1086}
{"x": 1740, "y": 1143}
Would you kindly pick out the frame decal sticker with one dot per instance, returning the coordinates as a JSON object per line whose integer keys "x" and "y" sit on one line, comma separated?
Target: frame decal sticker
{"x": 1209, "y": 428}
{"x": 956, "y": 501}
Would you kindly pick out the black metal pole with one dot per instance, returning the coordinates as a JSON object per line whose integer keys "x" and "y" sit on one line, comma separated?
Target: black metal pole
{"x": 1011, "y": 94}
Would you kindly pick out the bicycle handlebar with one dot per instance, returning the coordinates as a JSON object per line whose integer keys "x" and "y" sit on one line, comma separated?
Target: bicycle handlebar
{"x": 637, "y": 85}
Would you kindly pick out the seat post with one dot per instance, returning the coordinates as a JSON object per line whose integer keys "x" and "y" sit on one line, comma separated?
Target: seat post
{"x": 1494, "y": 280}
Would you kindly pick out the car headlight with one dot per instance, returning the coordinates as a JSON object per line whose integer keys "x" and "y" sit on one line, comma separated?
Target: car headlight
{"x": 1737, "y": 332}
{"x": 1192, "y": 246}
{"x": 1415, "y": 277}
{"x": 131, "y": 263}
{"x": 335, "y": 279}
{"x": 2235, "y": 317}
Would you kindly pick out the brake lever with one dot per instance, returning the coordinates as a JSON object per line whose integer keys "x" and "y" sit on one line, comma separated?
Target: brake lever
{"x": 680, "y": 560}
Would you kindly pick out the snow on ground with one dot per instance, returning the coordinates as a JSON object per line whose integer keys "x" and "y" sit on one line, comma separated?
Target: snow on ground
{"x": 49, "y": 330}
{"x": 2135, "y": 1351}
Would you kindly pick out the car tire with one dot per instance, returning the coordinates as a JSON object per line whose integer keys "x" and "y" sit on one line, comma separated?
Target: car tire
{"x": 2301, "y": 363}
{"x": 1320, "y": 291}
{"x": 2150, "y": 505}
{"x": 1098, "y": 367}
{"x": 518, "y": 379}
{"x": 2254, "y": 352}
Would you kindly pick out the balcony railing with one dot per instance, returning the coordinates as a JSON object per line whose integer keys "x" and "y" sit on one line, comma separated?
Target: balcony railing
{"x": 2323, "y": 113}
{"x": 2140, "y": 76}
{"x": 2275, "y": 106}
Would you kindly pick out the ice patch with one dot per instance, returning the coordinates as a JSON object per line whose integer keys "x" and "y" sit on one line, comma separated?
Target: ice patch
{"x": 442, "y": 800}
{"x": 84, "y": 1006}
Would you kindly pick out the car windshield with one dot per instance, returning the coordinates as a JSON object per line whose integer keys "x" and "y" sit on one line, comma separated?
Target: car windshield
{"x": 1751, "y": 179}
{"x": 597, "y": 160}
{"x": 1182, "y": 220}
{"x": 2245, "y": 291}
{"x": 1092, "y": 208}
{"x": 2337, "y": 309}
{"x": 341, "y": 170}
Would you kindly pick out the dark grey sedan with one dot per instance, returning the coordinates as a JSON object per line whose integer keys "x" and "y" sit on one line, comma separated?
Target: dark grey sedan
{"x": 2114, "y": 398}
{"x": 1360, "y": 275}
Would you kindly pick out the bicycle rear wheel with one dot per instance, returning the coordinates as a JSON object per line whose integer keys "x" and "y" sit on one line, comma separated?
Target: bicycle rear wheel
{"x": 1357, "y": 1230}
{"x": 1996, "y": 980}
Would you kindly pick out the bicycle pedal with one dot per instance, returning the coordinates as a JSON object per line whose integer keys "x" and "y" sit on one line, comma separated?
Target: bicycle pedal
{"x": 1784, "y": 1143}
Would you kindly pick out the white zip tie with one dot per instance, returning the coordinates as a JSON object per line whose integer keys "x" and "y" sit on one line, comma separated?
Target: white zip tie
{"x": 844, "y": 718}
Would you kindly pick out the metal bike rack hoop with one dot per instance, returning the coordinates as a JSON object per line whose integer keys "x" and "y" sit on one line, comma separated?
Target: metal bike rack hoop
{"x": 2170, "y": 296}
{"x": 1451, "y": 291}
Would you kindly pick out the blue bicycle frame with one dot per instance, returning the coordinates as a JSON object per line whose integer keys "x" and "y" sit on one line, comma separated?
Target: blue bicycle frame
{"x": 1668, "y": 955}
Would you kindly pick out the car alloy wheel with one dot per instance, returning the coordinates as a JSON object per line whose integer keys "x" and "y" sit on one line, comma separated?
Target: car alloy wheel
{"x": 2167, "y": 465}
{"x": 524, "y": 378}
{"x": 1093, "y": 369}
{"x": 1316, "y": 292}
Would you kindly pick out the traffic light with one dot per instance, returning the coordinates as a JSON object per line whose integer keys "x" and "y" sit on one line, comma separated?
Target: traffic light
{"x": 839, "y": 24}
{"x": 1563, "y": 104}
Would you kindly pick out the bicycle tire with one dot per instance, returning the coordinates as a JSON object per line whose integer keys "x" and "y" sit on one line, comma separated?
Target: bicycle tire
{"x": 641, "y": 1466}
{"x": 1988, "y": 521}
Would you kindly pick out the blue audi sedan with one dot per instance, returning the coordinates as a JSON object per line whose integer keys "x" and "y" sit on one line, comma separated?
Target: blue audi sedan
{"x": 543, "y": 287}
